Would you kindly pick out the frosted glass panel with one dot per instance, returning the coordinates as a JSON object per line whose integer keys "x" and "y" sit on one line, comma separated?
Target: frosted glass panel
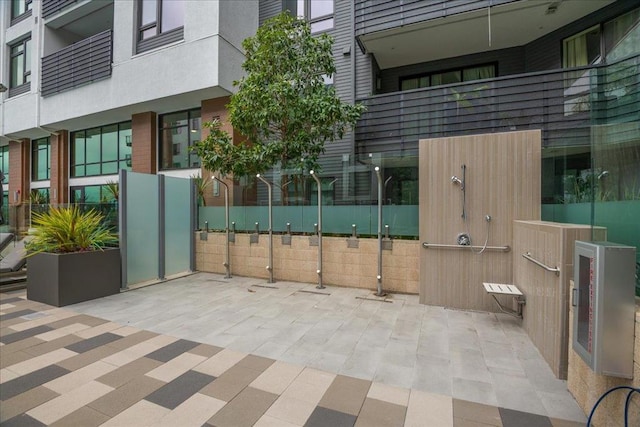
{"x": 142, "y": 227}
{"x": 402, "y": 219}
{"x": 177, "y": 226}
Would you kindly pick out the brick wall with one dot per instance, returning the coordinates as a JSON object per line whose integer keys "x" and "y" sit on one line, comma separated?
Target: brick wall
{"x": 144, "y": 130}
{"x": 342, "y": 266}
{"x": 59, "y": 189}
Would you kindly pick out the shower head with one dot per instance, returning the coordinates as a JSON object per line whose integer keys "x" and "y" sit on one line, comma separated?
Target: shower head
{"x": 457, "y": 180}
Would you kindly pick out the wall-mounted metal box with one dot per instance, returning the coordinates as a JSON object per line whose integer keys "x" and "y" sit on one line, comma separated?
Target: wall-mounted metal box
{"x": 604, "y": 306}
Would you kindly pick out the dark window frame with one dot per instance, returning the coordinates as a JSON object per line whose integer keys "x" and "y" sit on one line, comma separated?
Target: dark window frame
{"x": 26, "y": 75}
{"x": 35, "y": 154}
{"x": 4, "y": 152}
{"x": 17, "y": 17}
{"x": 157, "y": 23}
{"x": 120, "y": 157}
{"x": 190, "y": 142}
{"x": 448, "y": 70}
{"x": 306, "y": 13}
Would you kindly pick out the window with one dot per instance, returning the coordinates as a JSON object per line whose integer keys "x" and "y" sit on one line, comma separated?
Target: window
{"x": 582, "y": 49}
{"x": 178, "y": 132}
{"x": 20, "y": 7}
{"x": 622, "y": 36}
{"x": 101, "y": 151}
{"x": 319, "y": 13}
{"x": 20, "y": 63}
{"x": 4, "y": 163}
{"x": 91, "y": 194}
{"x": 159, "y": 16}
{"x": 479, "y": 72}
{"x": 40, "y": 156}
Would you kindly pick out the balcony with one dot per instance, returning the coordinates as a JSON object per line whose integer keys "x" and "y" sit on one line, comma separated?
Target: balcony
{"x": 84, "y": 62}
{"x": 564, "y": 104}
{"x": 51, "y": 7}
{"x": 404, "y": 32}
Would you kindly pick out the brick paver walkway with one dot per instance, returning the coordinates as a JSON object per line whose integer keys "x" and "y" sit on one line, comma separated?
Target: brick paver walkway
{"x": 62, "y": 368}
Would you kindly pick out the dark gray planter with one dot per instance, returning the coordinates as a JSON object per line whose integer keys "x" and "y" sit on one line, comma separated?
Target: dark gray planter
{"x": 63, "y": 279}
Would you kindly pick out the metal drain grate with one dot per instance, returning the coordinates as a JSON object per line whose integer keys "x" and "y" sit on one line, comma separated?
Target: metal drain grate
{"x": 265, "y": 286}
{"x": 376, "y": 299}
{"x": 312, "y": 292}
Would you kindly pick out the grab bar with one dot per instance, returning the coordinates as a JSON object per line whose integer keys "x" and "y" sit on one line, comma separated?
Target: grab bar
{"x": 426, "y": 245}
{"x": 538, "y": 263}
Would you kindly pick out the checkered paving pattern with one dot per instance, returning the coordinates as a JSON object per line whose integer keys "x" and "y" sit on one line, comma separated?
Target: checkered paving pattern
{"x": 61, "y": 368}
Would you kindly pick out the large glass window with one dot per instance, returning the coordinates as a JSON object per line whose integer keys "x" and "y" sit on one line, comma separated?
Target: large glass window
{"x": 478, "y": 72}
{"x": 40, "y": 159}
{"x": 101, "y": 151}
{"x": 20, "y": 63}
{"x": 4, "y": 163}
{"x": 582, "y": 49}
{"x": 622, "y": 36}
{"x": 18, "y": 7}
{"x": 178, "y": 132}
{"x": 159, "y": 16}
{"x": 319, "y": 13}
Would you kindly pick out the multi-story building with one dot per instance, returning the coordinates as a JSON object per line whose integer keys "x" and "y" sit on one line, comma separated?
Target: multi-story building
{"x": 99, "y": 85}
{"x": 94, "y": 86}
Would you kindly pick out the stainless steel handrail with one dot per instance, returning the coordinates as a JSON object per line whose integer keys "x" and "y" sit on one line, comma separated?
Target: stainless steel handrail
{"x": 426, "y": 245}
{"x": 538, "y": 263}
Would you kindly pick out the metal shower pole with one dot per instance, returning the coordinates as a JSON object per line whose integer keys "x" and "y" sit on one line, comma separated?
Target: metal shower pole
{"x": 227, "y": 263}
{"x": 379, "y": 277}
{"x": 270, "y": 266}
{"x": 319, "y": 270}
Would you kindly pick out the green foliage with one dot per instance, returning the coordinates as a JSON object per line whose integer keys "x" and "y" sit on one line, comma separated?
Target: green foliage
{"x": 36, "y": 197}
{"x": 112, "y": 189}
{"x": 201, "y": 184}
{"x": 62, "y": 230}
{"x": 282, "y": 106}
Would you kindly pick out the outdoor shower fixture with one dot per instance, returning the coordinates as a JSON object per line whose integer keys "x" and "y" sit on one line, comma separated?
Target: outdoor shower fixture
{"x": 464, "y": 238}
{"x": 270, "y": 266}
{"x": 319, "y": 270}
{"x": 227, "y": 262}
{"x": 461, "y": 183}
{"x": 379, "y": 276}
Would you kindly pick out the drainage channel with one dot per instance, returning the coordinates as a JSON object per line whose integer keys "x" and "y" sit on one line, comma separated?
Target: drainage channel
{"x": 312, "y": 292}
{"x": 264, "y": 286}
{"x": 377, "y": 299}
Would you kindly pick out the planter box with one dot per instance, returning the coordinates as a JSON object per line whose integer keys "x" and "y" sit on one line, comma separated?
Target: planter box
{"x": 64, "y": 279}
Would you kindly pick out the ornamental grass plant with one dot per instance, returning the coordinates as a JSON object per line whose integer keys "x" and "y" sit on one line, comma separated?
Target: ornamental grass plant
{"x": 68, "y": 229}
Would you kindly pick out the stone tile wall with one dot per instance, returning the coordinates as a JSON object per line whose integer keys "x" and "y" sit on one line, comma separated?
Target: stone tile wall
{"x": 342, "y": 266}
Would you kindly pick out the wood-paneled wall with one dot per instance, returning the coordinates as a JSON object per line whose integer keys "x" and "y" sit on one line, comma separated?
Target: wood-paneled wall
{"x": 503, "y": 181}
{"x": 546, "y": 313}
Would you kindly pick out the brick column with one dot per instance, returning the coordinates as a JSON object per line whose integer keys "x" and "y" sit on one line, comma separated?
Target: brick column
{"x": 19, "y": 181}
{"x": 144, "y": 132}
{"x": 59, "y": 176}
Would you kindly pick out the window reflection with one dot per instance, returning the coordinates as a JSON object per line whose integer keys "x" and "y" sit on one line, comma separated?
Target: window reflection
{"x": 178, "y": 132}
{"x": 101, "y": 151}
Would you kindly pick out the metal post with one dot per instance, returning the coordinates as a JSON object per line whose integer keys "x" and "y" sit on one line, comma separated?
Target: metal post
{"x": 227, "y": 262}
{"x": 270, "y": 266}
{"x": 379, "y": 277}
{"x": 122, "y": 226}
{"x": 319, "y": 270}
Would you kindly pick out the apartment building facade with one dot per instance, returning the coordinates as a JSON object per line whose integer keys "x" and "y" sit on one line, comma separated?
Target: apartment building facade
{"x": 95, "y": 86}
{"x": 137, "y": 83}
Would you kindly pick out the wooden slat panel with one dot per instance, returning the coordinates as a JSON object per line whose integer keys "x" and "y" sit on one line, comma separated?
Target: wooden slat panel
{"x": 503, "y": 180}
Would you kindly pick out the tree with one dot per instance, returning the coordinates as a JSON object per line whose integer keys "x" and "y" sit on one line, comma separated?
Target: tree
{"x": 283, "y": 107}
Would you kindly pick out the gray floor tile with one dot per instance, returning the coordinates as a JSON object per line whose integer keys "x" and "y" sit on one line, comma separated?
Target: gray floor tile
{"x": 172, "y": 350}
{"x": 511, "y": 418}
{"x": 14, "y": 315}
{"x": 91, "y": 343}
{"x": 323, "y": 417}
{"x": 22, "y": 420}
{"x": 17, "y": 336}
{"x": 180, "y": 389}
{"x": 26, "y": 382}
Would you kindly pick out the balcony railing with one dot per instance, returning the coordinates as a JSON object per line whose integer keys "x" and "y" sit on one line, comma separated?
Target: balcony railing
{"x": 83, "y": 62}
{"x": 51, "y": 7}
{"x": 377, "y": 15}
{"x": 562, "y": 103}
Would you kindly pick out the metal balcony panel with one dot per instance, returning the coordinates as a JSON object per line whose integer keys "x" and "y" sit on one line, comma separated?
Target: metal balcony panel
{"x": 81, "y": 63}
{"x": 51, "y": 7}
{"x": 562, "y": 106}
{"x": 403, "y": 32}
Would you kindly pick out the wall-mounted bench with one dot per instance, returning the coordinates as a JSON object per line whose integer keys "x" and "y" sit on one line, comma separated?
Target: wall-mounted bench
{"x": 494, "y": 289}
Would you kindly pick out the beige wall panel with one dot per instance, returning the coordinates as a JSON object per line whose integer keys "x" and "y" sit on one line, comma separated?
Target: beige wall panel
{"x": 342, "y": 266}
{"x": 502, "y": 180}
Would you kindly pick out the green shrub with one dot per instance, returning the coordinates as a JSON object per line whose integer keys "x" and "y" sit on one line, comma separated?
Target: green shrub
{"x": 63, "y": 230}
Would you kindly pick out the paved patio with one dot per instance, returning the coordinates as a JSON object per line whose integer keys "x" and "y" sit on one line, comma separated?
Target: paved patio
{"x": 204, "y": 350}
